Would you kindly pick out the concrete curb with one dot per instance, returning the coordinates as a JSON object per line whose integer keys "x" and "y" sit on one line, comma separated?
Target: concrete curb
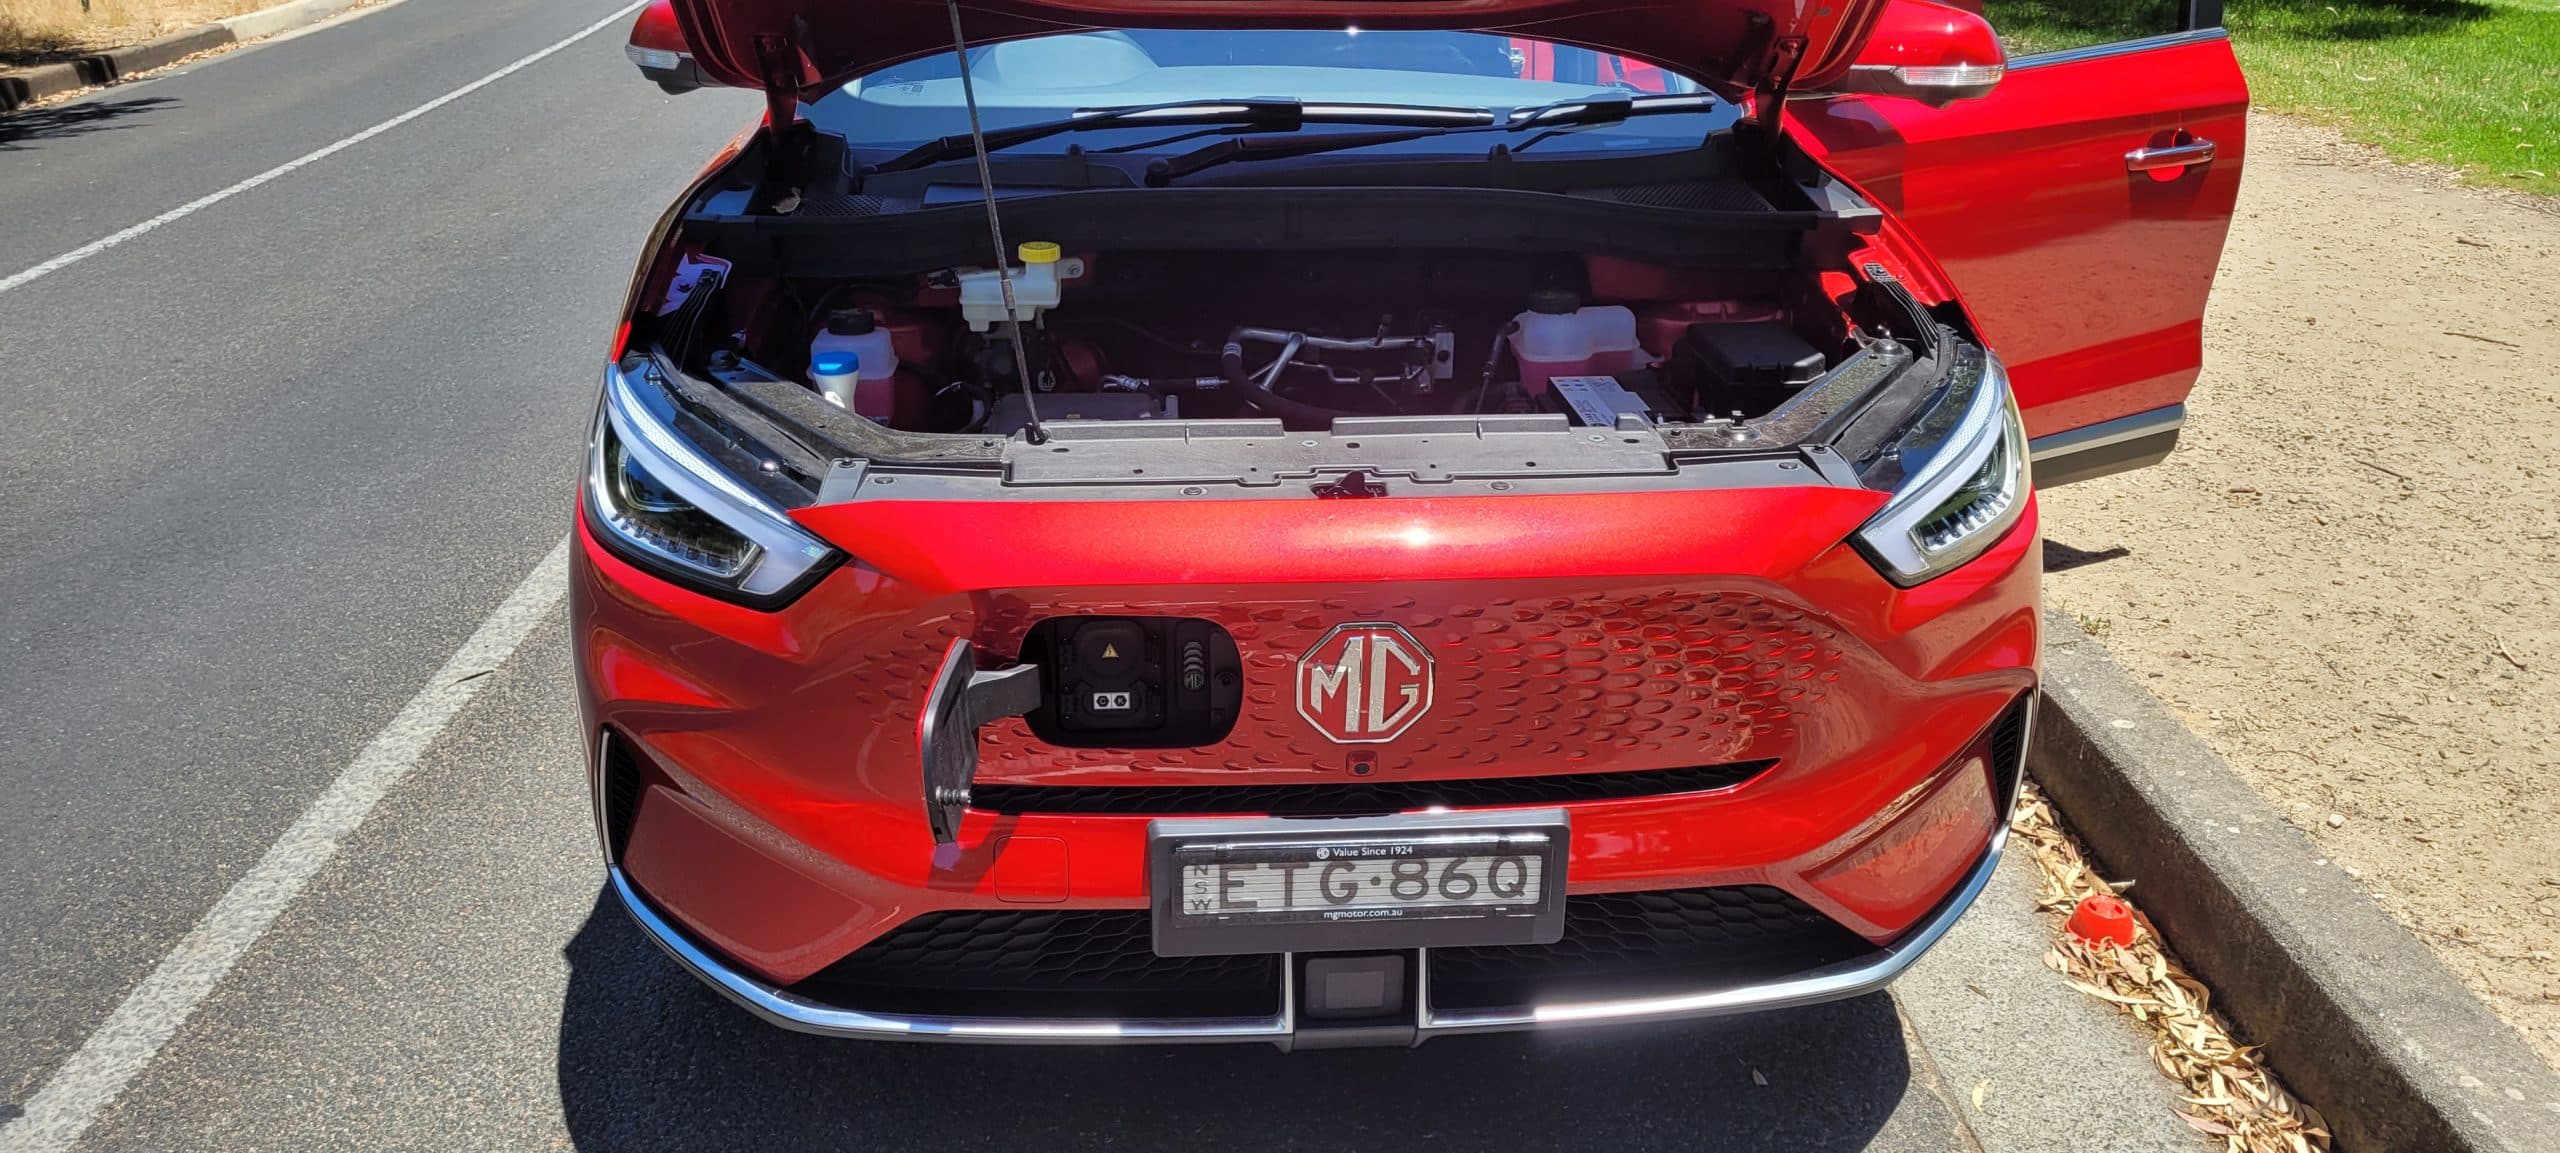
{"x": 109, "y": 67}
{"x": 284, "y": 18}
{"x": 2356, "y": 1014}
{"x": 22, "y": 86}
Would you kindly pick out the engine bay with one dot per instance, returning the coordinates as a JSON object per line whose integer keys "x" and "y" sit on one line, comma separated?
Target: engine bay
{"x": 1302, "y": 337}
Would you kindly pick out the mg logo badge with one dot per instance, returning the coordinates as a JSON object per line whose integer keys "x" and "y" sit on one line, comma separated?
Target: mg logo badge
{"x": 1364, "y": 684}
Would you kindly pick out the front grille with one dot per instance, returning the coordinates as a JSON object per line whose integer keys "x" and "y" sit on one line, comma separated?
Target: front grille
{"x": 1598, "y": 676}
{"x": 1057, "y": 963}
{"x": 1353, "y": 799}
{"x": 1630, "y": 944}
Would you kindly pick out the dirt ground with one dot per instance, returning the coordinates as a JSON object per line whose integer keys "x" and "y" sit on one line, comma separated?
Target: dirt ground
{"x": 2347, "y": 578}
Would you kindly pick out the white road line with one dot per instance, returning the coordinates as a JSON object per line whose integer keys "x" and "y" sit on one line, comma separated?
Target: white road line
{"x": 314, "y": 156}
{"x": 92, "y": 1079}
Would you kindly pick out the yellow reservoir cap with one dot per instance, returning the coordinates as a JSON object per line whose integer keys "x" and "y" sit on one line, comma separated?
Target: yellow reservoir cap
{"x": 1037, "y": 252}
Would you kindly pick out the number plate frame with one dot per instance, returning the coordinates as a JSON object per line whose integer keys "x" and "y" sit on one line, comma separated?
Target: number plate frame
{"x": 1542, "y": 833}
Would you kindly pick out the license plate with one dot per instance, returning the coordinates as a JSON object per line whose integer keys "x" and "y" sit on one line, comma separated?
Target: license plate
{"x": 1305, "y": 886}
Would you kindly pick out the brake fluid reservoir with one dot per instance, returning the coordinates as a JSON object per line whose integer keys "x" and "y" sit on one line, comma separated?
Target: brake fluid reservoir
{"x": 1036, "y": 287}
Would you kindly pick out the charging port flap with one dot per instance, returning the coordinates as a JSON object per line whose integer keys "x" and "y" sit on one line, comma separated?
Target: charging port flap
{"x": 963, "y": 699}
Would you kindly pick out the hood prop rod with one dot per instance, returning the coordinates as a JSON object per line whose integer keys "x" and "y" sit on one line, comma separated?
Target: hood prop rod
{"x": 995, "y": 230}
{"x": 1769, "y": 95}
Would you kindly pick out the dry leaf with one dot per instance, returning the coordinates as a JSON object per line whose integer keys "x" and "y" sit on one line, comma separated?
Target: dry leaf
{"x": 2204, "y": 1124}
{"x": 2231, "y": 1094}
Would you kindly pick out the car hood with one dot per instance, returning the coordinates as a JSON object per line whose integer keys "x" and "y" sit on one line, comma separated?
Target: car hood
{"x": 800, "y": 49}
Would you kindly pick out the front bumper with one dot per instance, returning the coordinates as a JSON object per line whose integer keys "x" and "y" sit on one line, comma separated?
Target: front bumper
{"x": 769, "y": 833}
{"x": 1832, "y": 983}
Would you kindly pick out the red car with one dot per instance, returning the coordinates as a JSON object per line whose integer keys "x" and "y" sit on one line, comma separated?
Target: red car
{"x": 1340, "y": 523}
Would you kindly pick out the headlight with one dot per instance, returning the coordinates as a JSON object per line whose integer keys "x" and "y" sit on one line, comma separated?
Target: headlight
{"x": 665, "y": 505}
{"x": 1964, "y": 482}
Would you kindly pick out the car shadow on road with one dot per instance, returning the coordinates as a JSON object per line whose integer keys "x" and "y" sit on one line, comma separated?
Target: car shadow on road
{"x": 650, "y": 1059}
{"x": 18, "y": 130}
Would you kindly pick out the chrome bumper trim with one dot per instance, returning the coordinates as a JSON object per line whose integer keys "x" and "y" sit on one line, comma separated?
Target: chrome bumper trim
{"x": 1831, "y": 983}
{"x": 2107, "y": 432}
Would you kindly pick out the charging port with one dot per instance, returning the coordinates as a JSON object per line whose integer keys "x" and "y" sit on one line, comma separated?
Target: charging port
{"x": 1134, "y": 682}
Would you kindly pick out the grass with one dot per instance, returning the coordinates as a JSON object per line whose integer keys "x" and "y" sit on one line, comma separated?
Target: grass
{"x": 34, "y": 31}
{"x": 2471, "y": 84}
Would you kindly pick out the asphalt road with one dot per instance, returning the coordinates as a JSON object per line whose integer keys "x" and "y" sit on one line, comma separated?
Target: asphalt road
{"x": 268, "y": 464}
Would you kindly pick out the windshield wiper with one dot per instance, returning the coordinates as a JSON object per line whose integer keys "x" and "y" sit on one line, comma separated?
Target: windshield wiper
{"x": 1265, "y": 114}
{"x": 1605, "y": 108}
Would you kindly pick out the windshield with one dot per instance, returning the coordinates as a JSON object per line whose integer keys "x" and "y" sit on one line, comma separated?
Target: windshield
{"x": 1048, "y": 77}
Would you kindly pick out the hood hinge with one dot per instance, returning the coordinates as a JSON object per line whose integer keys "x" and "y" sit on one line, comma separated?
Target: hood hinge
{"x": 1777, "y": 70}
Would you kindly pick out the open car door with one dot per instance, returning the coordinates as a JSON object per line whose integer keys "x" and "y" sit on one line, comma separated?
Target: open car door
{"x": 2079, "y": 208}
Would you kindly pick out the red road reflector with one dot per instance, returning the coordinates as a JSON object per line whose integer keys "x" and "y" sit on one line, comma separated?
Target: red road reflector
{"x": 2101, "y": 918}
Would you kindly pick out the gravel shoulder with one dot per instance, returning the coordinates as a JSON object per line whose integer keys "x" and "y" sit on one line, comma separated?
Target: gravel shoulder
{"x": 2347, "y": 579}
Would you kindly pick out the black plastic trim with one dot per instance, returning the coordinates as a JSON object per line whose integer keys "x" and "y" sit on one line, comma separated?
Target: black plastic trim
{"x": 2105, "y": 459}
{"x": 1267, "y": 219}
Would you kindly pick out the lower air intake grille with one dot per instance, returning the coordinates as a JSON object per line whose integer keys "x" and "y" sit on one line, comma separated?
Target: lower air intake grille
{"x": 1060, "y": 963}
{"x": 624, "y": 776}
{"x": 2009, "y": 745}
{"x": 1364, "y": 799}
{"x": 1630, "y": 944}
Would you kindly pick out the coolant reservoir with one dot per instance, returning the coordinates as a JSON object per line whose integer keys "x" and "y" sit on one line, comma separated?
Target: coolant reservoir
{"x": 1615, "y": 347}
{"x": 1560, "y": 337}
{"x": 1035, "y": 287}
{"x": 857, "y": 331}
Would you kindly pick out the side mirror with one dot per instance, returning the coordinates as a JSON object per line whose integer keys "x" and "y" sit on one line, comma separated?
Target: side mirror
{"x": 1929, "y": 52}
{"x": 658, "y": 47}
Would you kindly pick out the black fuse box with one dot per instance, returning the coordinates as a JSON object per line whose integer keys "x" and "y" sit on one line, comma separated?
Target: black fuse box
{"x": 1750, "y": 367}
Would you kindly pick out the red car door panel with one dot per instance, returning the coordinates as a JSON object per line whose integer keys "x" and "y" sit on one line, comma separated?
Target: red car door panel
{"x": 2079, "y": 210}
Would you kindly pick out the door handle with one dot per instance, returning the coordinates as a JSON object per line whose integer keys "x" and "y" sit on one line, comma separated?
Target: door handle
{"x": 2184, "y": 154}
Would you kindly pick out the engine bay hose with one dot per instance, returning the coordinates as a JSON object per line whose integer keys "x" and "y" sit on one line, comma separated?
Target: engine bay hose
{"x": 1259, "y": 394}
{"x": 1493, "y": 360}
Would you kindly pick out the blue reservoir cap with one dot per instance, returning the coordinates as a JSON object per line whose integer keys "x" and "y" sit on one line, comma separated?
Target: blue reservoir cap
{"x": 835, "y": 363}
